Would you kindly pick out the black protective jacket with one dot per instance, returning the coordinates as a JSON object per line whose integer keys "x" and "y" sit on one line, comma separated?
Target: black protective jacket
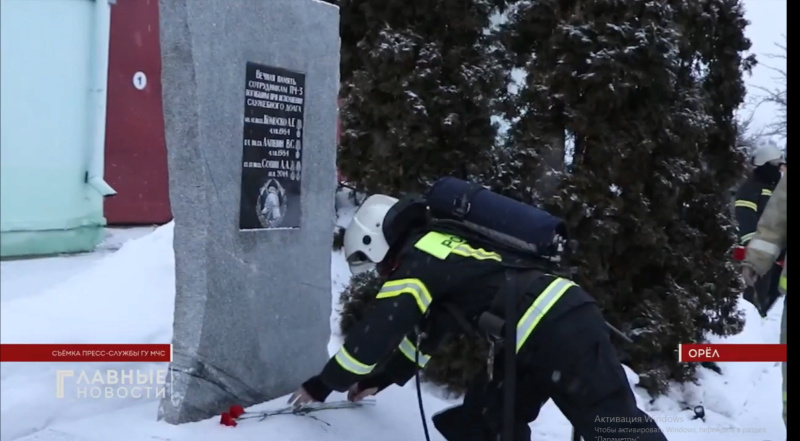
{"x": 750, "y": 201}
{"x": 434, "y": 268}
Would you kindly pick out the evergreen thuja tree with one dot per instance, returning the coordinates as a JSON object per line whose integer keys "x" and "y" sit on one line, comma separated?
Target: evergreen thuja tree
{"x": 704, "y": 281}
{"x": 614, "y": 75}
{"x": 717, "y": 42}
{"x": 353, "y": 25}
{"x": 420, "y": 100}
{"x": 529, "y": 164}
{"x": 651, "y": 101}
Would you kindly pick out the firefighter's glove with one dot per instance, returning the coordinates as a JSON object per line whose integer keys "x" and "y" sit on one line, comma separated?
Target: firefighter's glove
{"x": 312, "y": 391}
{"x": 356, "y": 393}
{"x": 749, "y": 274}
{"x": 368, "y": 386}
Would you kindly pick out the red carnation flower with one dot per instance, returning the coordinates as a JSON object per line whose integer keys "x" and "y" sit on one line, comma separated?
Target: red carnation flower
{"x": 227, "y": 420}
{"x": 236, "y": 411}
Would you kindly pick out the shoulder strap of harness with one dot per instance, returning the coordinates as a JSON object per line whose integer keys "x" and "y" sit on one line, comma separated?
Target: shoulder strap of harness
{"x": 500, "y": 323}
{"x": 512, "y": 289}
{"x": 494, "y": 319}
{"x": 462, "y": 320}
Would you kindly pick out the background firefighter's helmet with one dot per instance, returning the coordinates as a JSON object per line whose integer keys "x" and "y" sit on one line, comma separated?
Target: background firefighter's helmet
{"x": 765, "y": 152}
{"x": 364, "y": 242}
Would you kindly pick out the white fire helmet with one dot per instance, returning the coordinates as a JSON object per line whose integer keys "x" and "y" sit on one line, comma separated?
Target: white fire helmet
{"x": 766, "y": 152}
{"x": 364, "y": 242}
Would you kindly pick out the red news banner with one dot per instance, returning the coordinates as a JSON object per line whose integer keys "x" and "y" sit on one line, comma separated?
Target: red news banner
{"x": 731, "y": 353}
{"x": 85, "y": 352}
{"x": 687, "y": 353}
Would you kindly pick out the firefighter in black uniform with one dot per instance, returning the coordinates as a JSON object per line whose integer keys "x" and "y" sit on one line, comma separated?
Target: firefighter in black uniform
{"x": 563, "y": 346}
{"x": 751, "y": 199}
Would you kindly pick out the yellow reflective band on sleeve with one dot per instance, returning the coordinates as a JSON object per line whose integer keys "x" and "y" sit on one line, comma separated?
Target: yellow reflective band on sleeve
{"x": 766, "y": 192}
{"x": 480, "y": 254}
{"x": 782, "y": 283}
{"x": 442, "y": 245}
{"x": 413, "y": 287}
{"x": 746, "y": 238}
{"x": 539, "y": 308}
{"x": 410, "y": 351}
{"x": 746, "y": 204}
{"x": 350, "y": 364}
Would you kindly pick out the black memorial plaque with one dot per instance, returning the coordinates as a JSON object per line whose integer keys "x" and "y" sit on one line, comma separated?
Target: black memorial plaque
{"x": 273, "y": 144}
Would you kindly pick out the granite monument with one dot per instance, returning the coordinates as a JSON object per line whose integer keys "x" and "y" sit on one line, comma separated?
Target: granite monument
{"x": 250, "y": 100}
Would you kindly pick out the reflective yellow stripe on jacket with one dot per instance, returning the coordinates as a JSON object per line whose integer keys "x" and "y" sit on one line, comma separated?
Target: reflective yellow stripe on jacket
{"x": 782, "y": 283}
{"x": 554, "y": 291}
{"x": 766, "y": 192}
{"x": 410, "y": 351}
{"x": 746, "y": 204}
{"x": 476, "y": 253}
{"x": 412, "y": 287}
{"x": 393, "y": 288}
{"x": 350, "y": 364}
{"x": 746, "y": 238}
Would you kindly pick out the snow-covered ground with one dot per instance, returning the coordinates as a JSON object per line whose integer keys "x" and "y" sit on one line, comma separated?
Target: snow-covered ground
{"x": 126, "y": 296}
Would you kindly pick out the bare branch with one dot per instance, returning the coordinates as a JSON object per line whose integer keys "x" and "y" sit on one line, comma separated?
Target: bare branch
{"x": 781, "y": 72}
{"x": 747, "y": 137}
{"x": 775, "y": 95}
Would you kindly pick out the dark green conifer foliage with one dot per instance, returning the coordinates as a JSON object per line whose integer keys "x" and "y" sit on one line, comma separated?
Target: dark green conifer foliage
{"x": 654, "y": 155}
{"x": 420, "y": 85}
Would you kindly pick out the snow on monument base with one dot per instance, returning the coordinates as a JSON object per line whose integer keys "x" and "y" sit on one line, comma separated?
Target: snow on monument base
{"x": 249, "y": 92}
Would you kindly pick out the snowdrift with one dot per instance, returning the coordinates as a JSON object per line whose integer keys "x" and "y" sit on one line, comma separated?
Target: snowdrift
{"x": 127, "y": 297}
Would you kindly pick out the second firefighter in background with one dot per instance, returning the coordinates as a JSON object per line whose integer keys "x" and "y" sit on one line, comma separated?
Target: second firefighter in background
{"x": 751, "y": 199}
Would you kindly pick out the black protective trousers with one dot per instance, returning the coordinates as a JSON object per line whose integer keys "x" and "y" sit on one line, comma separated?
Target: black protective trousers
{"x": 572, "y": 362}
